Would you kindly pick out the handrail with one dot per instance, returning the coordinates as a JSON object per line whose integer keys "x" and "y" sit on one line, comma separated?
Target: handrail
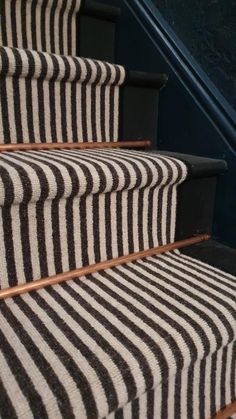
{"x": 208, "y": 96}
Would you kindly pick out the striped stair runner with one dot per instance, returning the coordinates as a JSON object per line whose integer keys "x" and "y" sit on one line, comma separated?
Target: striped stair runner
{"x": 43, "y": 25}
{"x": 151, "y": 339}
{"x": 52, "y": 98}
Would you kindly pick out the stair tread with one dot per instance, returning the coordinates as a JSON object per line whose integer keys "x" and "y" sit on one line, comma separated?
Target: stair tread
{"x": 110, "y": 337}
{"x": 44, "y": 175}
{"x": 199, "y": 166}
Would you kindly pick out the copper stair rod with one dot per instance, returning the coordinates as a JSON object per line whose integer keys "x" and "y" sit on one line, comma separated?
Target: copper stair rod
{"x": 227, "y": 412}
{"x": 79, "y": 146}
{"x": 87, "y": 270}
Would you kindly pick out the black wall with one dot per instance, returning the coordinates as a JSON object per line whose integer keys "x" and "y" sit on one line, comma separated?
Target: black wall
{"x": 208, "y": 30}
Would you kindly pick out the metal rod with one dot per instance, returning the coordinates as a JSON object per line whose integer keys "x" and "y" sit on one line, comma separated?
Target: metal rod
{"x": 226, "y": 412}
{"x": 80, "y": 146}
{"x": 87, "y": 270}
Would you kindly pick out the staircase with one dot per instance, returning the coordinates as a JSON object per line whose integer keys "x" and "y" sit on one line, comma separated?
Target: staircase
{"x": 150, "y": 338}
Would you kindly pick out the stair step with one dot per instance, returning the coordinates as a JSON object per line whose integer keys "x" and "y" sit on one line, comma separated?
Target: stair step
{"x": 68, "y": 209}
{"x": 105, "y": 344}
{"x": 57, "y": 99}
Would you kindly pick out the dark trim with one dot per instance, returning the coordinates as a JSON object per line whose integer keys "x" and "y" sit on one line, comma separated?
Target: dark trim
{"x": 202, "y": 89}
{"x": 99, "y": 10}
{"x": 143, "y": 79}
{"x": 199, "y": 167}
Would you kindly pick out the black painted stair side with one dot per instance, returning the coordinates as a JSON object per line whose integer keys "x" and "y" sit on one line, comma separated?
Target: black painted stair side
{"x": 196, "y": 196}
{"x": 97, "y": 31}
{"x": 139, "y": 105}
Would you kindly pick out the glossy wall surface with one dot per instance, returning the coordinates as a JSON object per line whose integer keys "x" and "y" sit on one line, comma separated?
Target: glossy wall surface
{"x": 208, "y": 30}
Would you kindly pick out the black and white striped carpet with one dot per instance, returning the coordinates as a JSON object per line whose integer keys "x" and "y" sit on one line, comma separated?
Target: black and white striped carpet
{"x": 153, "y": 339}
{"x": 52, "y": 98}
{"x": 43, "y": 25}
{"x": 65, "y": 209}
{"x": 150, "y": 339}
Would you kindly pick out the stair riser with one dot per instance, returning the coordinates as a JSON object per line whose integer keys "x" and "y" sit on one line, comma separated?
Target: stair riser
{"x": 47, "y": 98}
{"x": 42, "y": 239}
{"x": 96, "y": 38}
{"x": 195, "y": 209}
{"x": 43, "y": 25}
{"x": 40, "y": 111}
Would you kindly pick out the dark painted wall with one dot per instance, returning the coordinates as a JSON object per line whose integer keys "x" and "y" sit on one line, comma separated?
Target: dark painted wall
{"x": 208, "y": 30}
{"x": 184, "y": 125}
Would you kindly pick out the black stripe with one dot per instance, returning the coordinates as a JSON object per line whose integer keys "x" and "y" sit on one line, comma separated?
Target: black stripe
{"x": 13, "y": 23}
{"x": 151, "y": 205}
{"x": 233, "y": 374}
{"x": 140, "y": 237}
{"x": 24, "y": 25}
{"x": 62, "y": 47}
{"x": 41, "y": 239}
{"x": 213, "y": 384}
{"x": 71, "y": 16}
{"x": 190, "y": 392}
{"x": 135, "y": 409}
{"x": 29, "y": 98}
{"x": 52, "y": 25}
{"x": 150, "y": 404}
{"x": 130, "y": 200}
{"x": 3, "y": 22}
{"x": 202, "y": 389}
{"x": 70, "y": 232}
{"x": 96, "y": 228}
{"x": 177, "y": 395}
{"x": 42, "y": 24}
{"x": 33, "y": 25}
{"x": 223, "y": 382}
{"x": 7, "y": 410}
{"x": 56, "y": 236}
{"x": 9, "y": 246}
